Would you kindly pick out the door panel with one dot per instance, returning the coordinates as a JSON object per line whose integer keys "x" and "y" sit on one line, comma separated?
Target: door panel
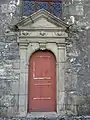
{"x": 42, "y": 82}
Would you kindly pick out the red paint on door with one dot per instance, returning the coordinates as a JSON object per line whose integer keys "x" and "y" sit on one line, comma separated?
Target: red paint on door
{"x": 42, "y": 82}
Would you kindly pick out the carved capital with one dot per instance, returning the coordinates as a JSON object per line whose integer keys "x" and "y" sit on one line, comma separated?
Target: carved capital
{"x": 61, "y": 45}
{"x": 42, "y": 46}
{"x": 23, "y": 45}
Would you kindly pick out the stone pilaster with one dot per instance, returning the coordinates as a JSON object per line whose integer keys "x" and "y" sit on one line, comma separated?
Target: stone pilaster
{"x": 23, "y": 79}
{"x": 61, "y": 75}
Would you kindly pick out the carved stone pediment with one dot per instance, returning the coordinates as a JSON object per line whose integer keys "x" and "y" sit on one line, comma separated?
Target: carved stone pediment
{"x": 42, "y": 19}
{"x": 41, "y": 24}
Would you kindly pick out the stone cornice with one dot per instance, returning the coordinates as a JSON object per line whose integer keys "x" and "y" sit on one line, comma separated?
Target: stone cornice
{"x": 41, "y": 28}
{"x": 42, "y": 39}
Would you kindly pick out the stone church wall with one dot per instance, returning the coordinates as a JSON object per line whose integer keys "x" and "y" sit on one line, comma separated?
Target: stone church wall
{"x": 80, "y": 11}
{"x": 9, "y": 75}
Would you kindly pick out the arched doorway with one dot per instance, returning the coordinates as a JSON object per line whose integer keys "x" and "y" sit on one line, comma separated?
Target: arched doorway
{"x": 42, "y": 82}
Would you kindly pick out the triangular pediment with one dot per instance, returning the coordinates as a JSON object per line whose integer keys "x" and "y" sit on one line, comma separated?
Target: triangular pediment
{"x": 41, "y": 19}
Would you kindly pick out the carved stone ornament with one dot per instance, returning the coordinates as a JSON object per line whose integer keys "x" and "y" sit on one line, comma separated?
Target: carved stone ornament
{"x": 25, "y": 33}
{"x": 59, "y": 33}
{"x": 42, "y": 46}
{"x": 42, "y": 33}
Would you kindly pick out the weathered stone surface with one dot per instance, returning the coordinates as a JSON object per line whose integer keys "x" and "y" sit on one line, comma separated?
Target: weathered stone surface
{"x": 9, "y": 66}
{"x": 48, "y": 118}
{"x": 78, "y": 54}
{"x": 77, "y": 83}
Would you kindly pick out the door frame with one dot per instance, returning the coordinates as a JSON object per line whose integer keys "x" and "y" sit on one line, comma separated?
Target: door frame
{"x": 59, "y": 51}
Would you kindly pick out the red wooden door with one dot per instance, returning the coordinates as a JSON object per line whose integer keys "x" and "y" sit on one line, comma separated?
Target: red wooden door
{"x": 42, "y": 82}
